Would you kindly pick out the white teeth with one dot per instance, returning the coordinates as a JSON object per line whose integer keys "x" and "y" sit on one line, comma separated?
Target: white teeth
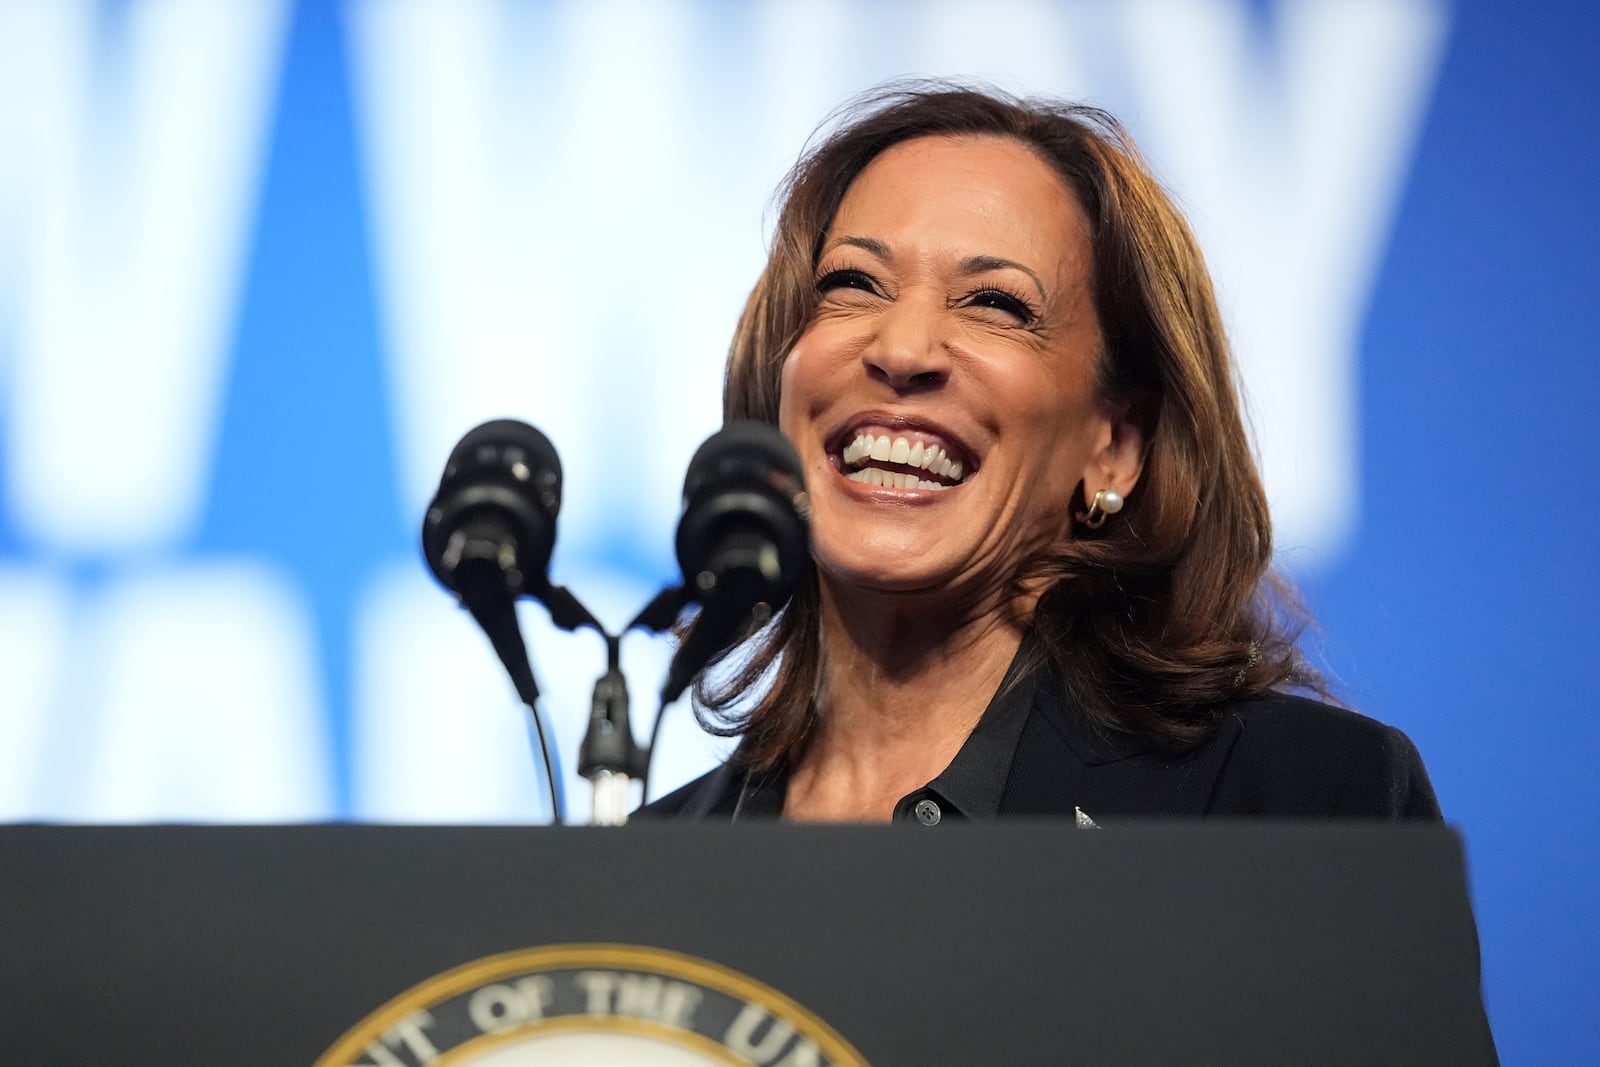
{"x": 899, "y": 450}
{"x": 892, "y": 479}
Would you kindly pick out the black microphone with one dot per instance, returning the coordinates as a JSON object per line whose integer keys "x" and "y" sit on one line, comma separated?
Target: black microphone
{"x": 743, "y": 541}
{"x": 493, "y": 520}
{"x": 488, "y": 535}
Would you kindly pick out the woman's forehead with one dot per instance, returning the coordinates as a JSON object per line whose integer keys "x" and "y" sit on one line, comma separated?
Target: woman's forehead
{"x": 964, "y": 196}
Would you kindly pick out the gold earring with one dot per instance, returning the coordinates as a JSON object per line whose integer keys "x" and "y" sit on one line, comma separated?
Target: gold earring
{"x": 1105, "y": 502}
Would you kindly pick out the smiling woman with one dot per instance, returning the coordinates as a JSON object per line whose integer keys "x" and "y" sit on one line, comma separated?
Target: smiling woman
{"x": 1042, "y": 548}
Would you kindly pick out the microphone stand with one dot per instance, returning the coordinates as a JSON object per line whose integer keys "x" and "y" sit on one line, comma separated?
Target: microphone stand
{"x": 610, "y": 758}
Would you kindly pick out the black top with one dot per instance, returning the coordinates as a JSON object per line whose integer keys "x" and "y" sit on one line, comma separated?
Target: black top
{"x": 1033, "y": 753}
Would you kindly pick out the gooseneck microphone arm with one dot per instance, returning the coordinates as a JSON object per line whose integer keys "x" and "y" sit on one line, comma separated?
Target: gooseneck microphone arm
{"x": 481, "y": 587}
{"x": 743, "y": 544}
{"x": 657, "y": 617}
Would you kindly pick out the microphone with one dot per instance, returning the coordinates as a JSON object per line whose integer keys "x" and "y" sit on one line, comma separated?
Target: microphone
{"x": 492, "y": 524}
{"x": 743, "y": 541}
{"x": 488, "y": 535}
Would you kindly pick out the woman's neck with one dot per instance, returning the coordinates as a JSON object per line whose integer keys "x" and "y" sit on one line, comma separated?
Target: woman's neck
{"x": 903, "y": 687}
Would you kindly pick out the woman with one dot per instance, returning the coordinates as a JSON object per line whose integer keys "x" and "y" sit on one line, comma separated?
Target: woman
{"x": 1042, "y": 547}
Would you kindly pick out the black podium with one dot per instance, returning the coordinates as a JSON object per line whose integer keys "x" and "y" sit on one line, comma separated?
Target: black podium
{"x": 992, "y": 944}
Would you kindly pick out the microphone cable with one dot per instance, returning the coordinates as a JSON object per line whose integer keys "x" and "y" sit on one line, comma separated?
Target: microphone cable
{"x": 552, "y": 765}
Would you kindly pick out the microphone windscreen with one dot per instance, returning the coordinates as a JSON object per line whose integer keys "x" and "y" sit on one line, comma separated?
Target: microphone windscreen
{"x": 501, "y": 444}
{"x": 741, "y": 449}
{"x": 499, "y": 497}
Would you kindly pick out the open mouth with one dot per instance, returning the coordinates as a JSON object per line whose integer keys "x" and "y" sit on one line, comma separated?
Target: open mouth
{"x": 903, "y": 459}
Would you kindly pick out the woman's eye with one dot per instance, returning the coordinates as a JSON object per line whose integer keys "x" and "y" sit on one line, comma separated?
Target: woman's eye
{"x": 1000, "y": 300}
{"x": 845, "y": 279}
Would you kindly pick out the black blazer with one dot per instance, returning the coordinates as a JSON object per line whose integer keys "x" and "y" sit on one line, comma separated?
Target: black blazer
{"x": 1277, "y": 755}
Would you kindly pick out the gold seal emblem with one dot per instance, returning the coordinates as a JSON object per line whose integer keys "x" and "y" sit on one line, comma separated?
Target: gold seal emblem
{"x": 566, "y": 1005}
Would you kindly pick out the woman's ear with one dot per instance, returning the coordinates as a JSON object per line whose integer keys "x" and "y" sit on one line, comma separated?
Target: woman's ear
{"x": 1119, "y": 461}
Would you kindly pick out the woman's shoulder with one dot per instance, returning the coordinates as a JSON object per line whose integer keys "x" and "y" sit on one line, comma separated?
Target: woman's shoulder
{"x": 1292, "y": 751}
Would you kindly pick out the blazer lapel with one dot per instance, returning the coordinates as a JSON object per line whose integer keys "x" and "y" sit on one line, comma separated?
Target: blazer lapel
{"x": 1063, "y": 766}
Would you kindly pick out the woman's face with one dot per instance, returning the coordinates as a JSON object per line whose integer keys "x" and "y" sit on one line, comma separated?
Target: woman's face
{"x": 942, "y": 397}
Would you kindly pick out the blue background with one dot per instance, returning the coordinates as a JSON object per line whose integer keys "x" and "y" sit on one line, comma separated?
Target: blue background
{"x": 1466, "y": 606}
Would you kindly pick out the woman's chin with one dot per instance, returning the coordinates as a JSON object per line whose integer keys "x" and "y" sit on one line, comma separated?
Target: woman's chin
{"x": 872, "y": 573}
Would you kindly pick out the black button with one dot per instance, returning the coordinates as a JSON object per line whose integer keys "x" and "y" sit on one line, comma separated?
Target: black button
{"x": 928, "y": 813}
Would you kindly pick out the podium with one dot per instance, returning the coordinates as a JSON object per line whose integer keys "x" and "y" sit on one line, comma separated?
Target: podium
{"x": 982, "y": 944}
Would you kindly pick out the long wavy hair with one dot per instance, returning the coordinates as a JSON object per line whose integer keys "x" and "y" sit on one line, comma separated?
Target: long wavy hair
{"x": 1168, "y": 611}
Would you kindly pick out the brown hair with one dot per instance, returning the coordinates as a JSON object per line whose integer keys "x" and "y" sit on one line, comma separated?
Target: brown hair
{"x": 1169, "y": 610}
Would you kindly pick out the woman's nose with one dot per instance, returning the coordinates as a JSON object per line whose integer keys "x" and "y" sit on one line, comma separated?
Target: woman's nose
{"x": 908, "y": 351}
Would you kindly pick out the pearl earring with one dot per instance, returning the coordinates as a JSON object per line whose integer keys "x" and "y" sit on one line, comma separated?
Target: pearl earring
{"x": 1105, "y": 502}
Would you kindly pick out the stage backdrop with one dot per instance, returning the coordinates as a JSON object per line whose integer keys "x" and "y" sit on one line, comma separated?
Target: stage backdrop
{"x": 261, "y": 263}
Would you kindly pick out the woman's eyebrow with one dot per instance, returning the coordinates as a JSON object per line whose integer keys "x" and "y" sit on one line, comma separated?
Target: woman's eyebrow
{"x": 980, "y": 264}
{"x": 866, "y": 244}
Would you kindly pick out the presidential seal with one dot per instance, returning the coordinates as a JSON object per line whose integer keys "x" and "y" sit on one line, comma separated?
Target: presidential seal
{"x": 571, "y": 1005}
